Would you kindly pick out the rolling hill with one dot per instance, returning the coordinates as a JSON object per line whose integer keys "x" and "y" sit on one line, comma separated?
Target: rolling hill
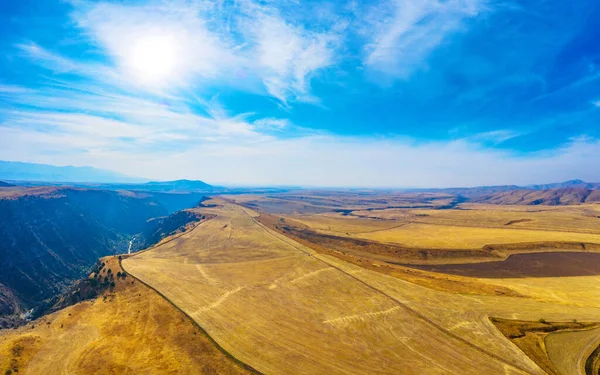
{"x": 479, "y": 193}
{"x": 552, "y": 197}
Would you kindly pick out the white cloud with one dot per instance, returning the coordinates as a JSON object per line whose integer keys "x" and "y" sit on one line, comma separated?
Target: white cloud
{"x": 288, "y": 55}
{"x": 12, "y": 89}
{"x": 63, "y": 65}
{"x": 101, "y": 119}
{"x": 163, "y": 46}
{"x": 403, "y": 33}
{"x": 172, "y": 143}
{"x": 159, "y": 44}
{"x": 271, "y": 124}
{"x": 149, "y": 138}
{"x": 167, "y": 45}
{"x": 317, "y": 161}
{"x": 494, "y": 136}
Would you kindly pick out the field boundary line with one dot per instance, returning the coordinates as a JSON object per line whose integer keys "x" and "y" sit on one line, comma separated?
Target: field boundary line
{"x": 230, "y": 356}
{"x": 401, "y": 304}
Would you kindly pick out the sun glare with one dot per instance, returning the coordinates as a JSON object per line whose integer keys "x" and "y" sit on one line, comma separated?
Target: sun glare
{"x": 153, "y": 59}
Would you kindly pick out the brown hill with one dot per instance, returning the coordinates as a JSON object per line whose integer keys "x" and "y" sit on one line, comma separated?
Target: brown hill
{"x": 551, "y": 197}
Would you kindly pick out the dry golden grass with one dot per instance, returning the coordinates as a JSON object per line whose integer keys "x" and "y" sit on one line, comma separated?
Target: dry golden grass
{"x": 129, "y": 331}
{"x": 457, "y": 237}
{"x": 568, "y": 351}
{"x": 285, "y": 309}
{"x": 456, "y": 229}
{"x": 580, "y": 291}
{"x": 530, "y": 337}
{"x": 581, "y": 218}
{"x": 592, "y": 364}
{"x": 316, "y": 201}
{"x": 433, "y": 280}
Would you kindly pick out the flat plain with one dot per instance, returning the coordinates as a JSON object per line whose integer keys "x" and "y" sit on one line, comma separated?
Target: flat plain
{"x": 286, "y": 305}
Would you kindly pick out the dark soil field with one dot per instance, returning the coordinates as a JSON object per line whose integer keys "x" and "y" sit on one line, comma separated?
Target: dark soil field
{"x": 555, "y": 264}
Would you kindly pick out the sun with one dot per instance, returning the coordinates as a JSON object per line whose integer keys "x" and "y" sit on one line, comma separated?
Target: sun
{"x": 152, "y": 59}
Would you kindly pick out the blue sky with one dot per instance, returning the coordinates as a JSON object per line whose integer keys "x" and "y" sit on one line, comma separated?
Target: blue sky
{"x": 391, "y": 93}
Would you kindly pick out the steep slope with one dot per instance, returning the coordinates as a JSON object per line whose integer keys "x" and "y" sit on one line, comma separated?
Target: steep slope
{"x": 52, "y": 236}
{"x": 10, "y": 307}
{"x": 129, "y": 329}
{"x": 50, "y": 239}
{"x": 161, "y": 227}
{"x": 552, "y": 197}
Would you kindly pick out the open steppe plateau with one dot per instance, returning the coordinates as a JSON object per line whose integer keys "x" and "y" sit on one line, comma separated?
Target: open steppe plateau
{"x": 284, "y": 303}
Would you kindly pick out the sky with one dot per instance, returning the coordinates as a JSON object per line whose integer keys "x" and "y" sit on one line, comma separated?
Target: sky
{"x": 390, "y": 93}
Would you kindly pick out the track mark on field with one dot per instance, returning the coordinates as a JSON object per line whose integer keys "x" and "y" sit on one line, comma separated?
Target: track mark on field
{"x": 401, "y": 304}
{"x": 344, "y": 320}
{"x": 219, "y": 301}
{"x": 205, "y": 275}
{"x": 310, "y": 274}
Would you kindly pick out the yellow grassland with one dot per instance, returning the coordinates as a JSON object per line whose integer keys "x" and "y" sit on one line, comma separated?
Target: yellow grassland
{"x": 282, "y": 308}
{"x": 568, "y": 351}
{"x": 131, "y": 330}
{"x": 474, "y": 228}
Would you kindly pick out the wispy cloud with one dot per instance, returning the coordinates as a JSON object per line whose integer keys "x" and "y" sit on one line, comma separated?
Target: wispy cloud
{"x": 111, "y": 121}
{"x": 402, "y": 33}
{"x": 313, "y": 160}
{"x": 59, "y": 64}
{"x": 287, "y": 54}
{"x": 240, "y": 45}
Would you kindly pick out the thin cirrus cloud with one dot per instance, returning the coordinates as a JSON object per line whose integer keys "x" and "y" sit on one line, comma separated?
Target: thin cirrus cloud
{"x": 402, "y": 33}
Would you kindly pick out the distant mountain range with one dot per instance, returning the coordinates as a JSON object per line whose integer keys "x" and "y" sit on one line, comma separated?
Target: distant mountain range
{"x": 552, "y": 197}
{"x": 559, "y": 193}
{"x": 30, "y": 174}
{"x": 19, "y": 171}
{"x": 479, "y": 191}
{"x": 567, "y": 184}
